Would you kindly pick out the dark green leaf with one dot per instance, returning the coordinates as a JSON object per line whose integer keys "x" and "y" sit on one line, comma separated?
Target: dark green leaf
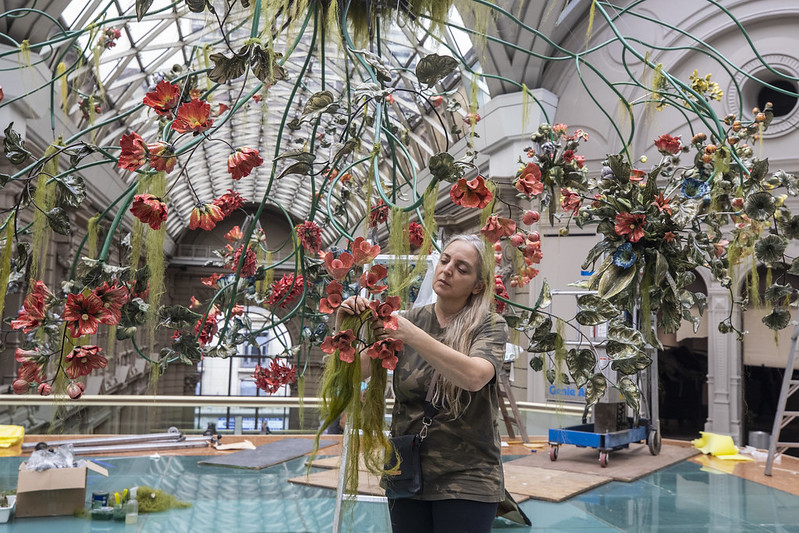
{"x": 77, "y": 157}
{"x": 629, "y": 391}
{"x": 759, "y": 169}
{"x": 595, "y": 389}
{"x": 628, "y": 363}
{"x": 58, "y": 220}
{"x": 265, "y": 66}
{"x": 318, "y": 102}
{"x": 141, "y": 8}
{"x": 620, "y": 167}
{"x": 794, "y": 270}
{"x": 759, "y": 205}
{"x": 615, "y": 280}
{"x": 537, "y": 362}
{"x": 776, "y": 293}
{"x": 542, "y": 329}
{"x": 581, "y": 365}
{"x": 382, "y": 72}
{"x": 544, "y": 297}
{"x": 196, "y": 6}
{"x": 296, "y": 168}
{"x": 70, "y": 190}
{"x": 594, "y": 310}
{"x": 178, "y": 317}
{"x": 442, "y": 166}
{"x": 551, "y": 375}
{"x": 661, "y": 267}
{"x": 4, "y": 179}
{"x": 298, "y": 155}
{"x": 434, "y": 67}
{"x": 14, "y": 146}
{"x": 545, "y": 344}
{"x": 771, "y": 248}
{"x": 778, "y": 318}
{"x": 623, "y": 340}
{"x": 595, "y": 252}
{"x": 227, "y": 68}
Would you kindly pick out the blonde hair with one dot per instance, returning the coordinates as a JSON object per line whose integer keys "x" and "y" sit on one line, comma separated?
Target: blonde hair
{"x": 458, "y": 333}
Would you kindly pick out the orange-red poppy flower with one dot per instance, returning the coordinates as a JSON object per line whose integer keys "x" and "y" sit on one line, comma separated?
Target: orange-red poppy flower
{"x": 83, "y": 359}
{"x": 370, "y": 279}
{"x": 205, "y": 216}
{"x": 386, "y": 350}
{"x": 242, "y": 161}
{"x": 629, "y": 224}
{"x": 343, "y": 342}
{"x": 384, "y": 311}
{"x": 495, "y": 228}
{"x": 334, "y": 298}
{"x": 149, "y": 209}
{"x": 162, "y": 157}
{"x": 113, "y": 298}
{"x": 363, "y": 251}
{"x": 134, "y": 152}
{"x": 193, "y": 117}
{"x": 472, "y": 193}
{"x": 83, "y": 314}
{"x": 668, "y": 145}
{"x": 529, "y": 180}
{"x": 338, "y": 267}
{"x": 415, "y": 234}
{"x": 229, "y": 202}
{"x": 164, "y": 98}
{"x": 570, "y": 201}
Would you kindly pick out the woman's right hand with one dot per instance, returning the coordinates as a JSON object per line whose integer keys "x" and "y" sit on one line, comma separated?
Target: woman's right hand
{"x": 354, "y": 305}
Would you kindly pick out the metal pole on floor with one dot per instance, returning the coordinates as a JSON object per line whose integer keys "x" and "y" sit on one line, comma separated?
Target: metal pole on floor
{"x": 342, "y": 471}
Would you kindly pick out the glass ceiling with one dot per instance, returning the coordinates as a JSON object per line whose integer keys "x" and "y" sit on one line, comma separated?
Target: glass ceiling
{"x": 173, "y": 40}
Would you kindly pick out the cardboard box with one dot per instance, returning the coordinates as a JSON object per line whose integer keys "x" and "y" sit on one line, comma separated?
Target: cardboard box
{"x": 54, "y": 492}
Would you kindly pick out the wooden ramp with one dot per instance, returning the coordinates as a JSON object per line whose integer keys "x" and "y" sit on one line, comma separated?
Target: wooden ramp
{"x": 266, "y": 455}
{"x": 623, "y": 465}
{"x": 523, "y": 482}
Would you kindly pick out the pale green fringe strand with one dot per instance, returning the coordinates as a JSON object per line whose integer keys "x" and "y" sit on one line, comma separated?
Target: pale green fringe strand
{"x": 399, "y": 247}
{"x": 93, "y": 232}
{"x": 44, "y": 198}
{"x": 5, "y": 260}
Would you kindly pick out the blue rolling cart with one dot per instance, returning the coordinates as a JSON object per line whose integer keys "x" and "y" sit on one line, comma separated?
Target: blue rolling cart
{"x": 584, "y": 436}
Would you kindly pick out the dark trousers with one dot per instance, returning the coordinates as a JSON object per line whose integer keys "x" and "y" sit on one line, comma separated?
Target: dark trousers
{"x": 443, "y": 516}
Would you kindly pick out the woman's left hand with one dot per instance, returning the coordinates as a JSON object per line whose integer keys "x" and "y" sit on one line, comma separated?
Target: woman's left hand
{"x": 402, "y": 333}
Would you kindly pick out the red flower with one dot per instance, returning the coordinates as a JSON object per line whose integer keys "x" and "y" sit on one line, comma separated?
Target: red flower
{"x": 629, "y": 224}
{"x": 437, "y": 100}
{"x": 560, "y": 128}
{"x": 286, "y": 290}
{"x": 472, "y": 193}
{"x": 84, "y": 359}
{"x": 222, "y": 109}
{"x": 637, "y": 175}
{"x": 278, "y": 374}
{"x": 32, "y": 314}
{"x": 134, "y": 152}
{"x": 205, "y": 216}
{"x": 338, "y": 267}
{"x": 162, "y": 157}
{"x": 163, "y": 99}
{"x": 363, "y": 251}
{"x": 529, "y": 180}
{"x": 250, "y": 262}
{"x": 194, "y": 303}
{"x": 310, "y": 236}
{"x": 209, "y": 327}
{"x": 256, "y": 98}
{"x": 193, "y": 116}
{"x": 662, "y": 203}
{"x": 334, "y": 298}
{"x": 149, "y": 210}
{"x": 416, "y": 234}
{"x": 531, "y": 217}
{"x": 579, "y": 160}
{"x": 496, "y": 228}
{"x": 379, "y": 214}
{"x": 668, "y": 145}
{"x": 343, "y": 342}
{"x": 386, "y": 350}
{"x": 668, "y": 236}
{"x": 229, "y": 202}
{"x": 500, "y": 290}
{"x": 20, "y": 386}
{"x": 242, "y": 161}
{"x": 568, "y": 156}
{"x": 570, "y": 201}
{"x": 83, "y": 314}
{"x": 44, "y": 389}
{"x": 234, "y": 234}
{"x": 113, "y": 298}
{"x": 384, "y": 311}
{"x": 369, "y": 280}
{"x": 75, "y": 389}
{"x": 32, "y": 365}
{"x": 211, "y": 280}
{"x": 472, "y": 118}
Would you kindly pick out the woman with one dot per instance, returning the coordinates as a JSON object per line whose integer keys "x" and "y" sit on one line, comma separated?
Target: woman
{"x": 459, "y": 337}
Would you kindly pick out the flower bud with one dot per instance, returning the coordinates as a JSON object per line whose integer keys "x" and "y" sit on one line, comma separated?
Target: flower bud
{"x": 531, "y": 217}
{"x": 20, "y": 386}
{"x": 75, "y": 390}
{"x": 45, "y": 389}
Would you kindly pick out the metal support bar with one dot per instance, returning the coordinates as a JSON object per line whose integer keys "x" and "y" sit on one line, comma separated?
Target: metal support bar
{"x": 172, "y": 435}
{"x": 196, "y": 442}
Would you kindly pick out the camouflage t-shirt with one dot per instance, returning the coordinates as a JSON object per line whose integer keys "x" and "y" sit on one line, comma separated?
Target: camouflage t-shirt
{"x": 461, "y": 459}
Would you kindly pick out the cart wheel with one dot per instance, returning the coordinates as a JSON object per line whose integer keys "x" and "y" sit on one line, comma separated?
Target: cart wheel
{"x": 553, "y": 453}
{"x": 654, "y": 442}
{"x": 603, "y": 459}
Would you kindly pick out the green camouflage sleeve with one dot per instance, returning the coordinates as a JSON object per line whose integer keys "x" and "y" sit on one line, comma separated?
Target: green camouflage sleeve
{"x": 489, "y": 341}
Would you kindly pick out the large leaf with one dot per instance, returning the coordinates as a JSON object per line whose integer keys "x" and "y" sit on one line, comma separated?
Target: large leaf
{"x": 298, "y": 155}
{"x": 620, "y": 167}
{"x": 376, "y": 62}
{"x": 629, "y": 363}
{"x": 542, "y": 329}
{"x": 318, "y": 101}
{"x": 434, "y": 67}
{"x": 70, "y": 190}
{"x": 623, "y": 341}
{"x": 14, "y": 146}
{"x": 771, "y": 248}
{"x": 544, "y": 297}
{"x": 537, "y": 362}
{"x": 545, "y": 344}
{"x": 300, "y": 168}
{"x": 443, "y": 167}
{"x": 778, "y": 318}
{"x": 178, "y": 317}
{"x": 759, "y": 170}
{"x": 595, "y": 389}
{"x": 141, "y": 8}
{"x": 661, "y": 267}
{"x": 265, "y": 66}
{"x": 594, "y": 310}
{"x": 228, "y": 68}
{"x": 581, "y": 365}
{"x": 759, "y": 205}
{"x": 615, "y": 279}
{"x": 776, "y": 293}
{"x": 629, "y": 391}
{"x": 794, "y": 267}
{"x": 58, "y": 220}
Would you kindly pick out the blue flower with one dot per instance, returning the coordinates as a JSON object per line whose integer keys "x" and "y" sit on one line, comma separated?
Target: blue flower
{"x": 693, "y": 188}
{"x": 624, "y": 256}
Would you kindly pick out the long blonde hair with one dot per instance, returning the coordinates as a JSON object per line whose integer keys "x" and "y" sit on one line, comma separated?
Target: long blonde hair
{"x": 458, "y": 333}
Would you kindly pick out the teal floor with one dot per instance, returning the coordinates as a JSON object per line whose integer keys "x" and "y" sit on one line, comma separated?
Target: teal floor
{"x": 679, "y": 499}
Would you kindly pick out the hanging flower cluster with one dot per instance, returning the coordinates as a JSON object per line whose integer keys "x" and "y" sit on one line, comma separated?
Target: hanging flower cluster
{"x": 270, "y": 378}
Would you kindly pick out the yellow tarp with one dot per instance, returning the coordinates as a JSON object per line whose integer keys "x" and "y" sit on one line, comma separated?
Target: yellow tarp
{"x": 720, "y": 446}
{"x": 11, "y": 440}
